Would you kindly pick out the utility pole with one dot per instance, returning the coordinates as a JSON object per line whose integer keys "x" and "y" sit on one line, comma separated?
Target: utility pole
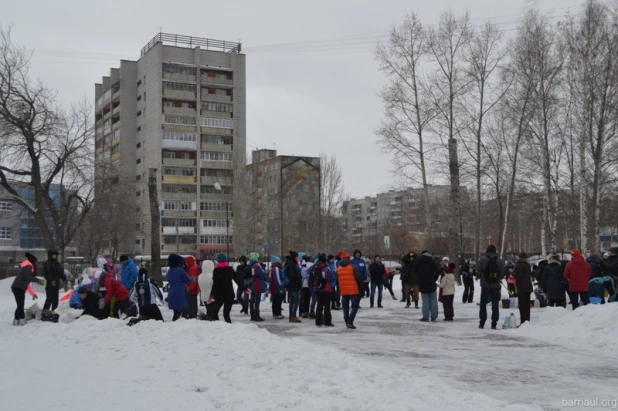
{"x": 155, "y": 227}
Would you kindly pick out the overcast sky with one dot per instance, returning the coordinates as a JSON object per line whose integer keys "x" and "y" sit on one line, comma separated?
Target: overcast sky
{"x": 302, "y": 102}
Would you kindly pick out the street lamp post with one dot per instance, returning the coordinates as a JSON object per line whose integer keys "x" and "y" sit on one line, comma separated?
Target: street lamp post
{"x": 227, "y": 221}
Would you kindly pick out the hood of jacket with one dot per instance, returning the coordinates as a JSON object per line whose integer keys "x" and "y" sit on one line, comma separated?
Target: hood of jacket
{"x": 208, "y": 267}
{"x": 578, "y": 260}
{"x": 174, "y": 260}
{"x": 592, "y": 260}
{"x": 357, "y": 252}
{"x": 50, "y": 253}
{"x": 101, "y": 262}
{"x": 344, "y": 262}
{"x": 190, "y": 260}
{"x": 26, "y": 263}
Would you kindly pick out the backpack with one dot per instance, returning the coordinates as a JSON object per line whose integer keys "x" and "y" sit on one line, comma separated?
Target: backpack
{"x": 316, "y": 280}
{"x": 492, "y": 273}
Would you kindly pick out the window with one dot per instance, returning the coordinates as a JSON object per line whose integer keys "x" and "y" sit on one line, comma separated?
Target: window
{"x": 215, "y": 239}
{"x": 139, "y": 83}
{"x": 138, "y": 193}
{"x": 185, "y": 156}
{"x": 170, "y": 85}
{"x": 6, "y": 206}
{"x": 212, "y": 190}
{"x": 214, "y": 223}
{"x": 178, "y": 222}
{"x": 209, "y": 139}
{"x": 169, "y": 154}
{"x": 220, "y": 92}
{"x": 138, "y": 178}
{"x": 223, "y": 107}
{"x": 179, "y": 171}
{"x": 179, "y": 189}
{"x": 177, "y": 205}
{"x": 215, "y": 156}
{"x": 179, "y": 69}
{"x": 217, "y": 122}
{"x": 178, "y": 136}
{"x": 5, "y": 233}
{"x": 137, "y": 242}
{"x": 179, "y": 120}
{"x": 182, "y": 239}
{"x": 139, "y": 113}
{"x": 139, "y": 129}
{"x": 205, "y": 91}
{"x": 212, "y": 206}
{"x": 178, "y": 104}
{"x": 139, "y": 160}
{"x": 139, "y": 97}
{"x": 138, "y": 146}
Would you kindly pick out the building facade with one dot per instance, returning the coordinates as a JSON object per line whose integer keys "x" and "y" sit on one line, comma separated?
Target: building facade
{"x": 284, "y": 199}
{"x": 179, "y": 109}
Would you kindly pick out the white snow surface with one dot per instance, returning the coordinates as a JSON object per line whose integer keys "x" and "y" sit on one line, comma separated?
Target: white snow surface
{"x": 391, "y": 362}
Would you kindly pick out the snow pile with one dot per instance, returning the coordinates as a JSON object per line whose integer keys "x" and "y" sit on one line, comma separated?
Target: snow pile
{"x": 591, "y": 326}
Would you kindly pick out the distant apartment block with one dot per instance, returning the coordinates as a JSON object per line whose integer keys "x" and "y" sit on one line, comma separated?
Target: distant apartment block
{"x": 180, "y": 109}
{"x": 284, "y": 203}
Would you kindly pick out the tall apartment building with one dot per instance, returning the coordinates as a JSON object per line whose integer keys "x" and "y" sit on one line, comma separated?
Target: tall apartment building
{"x": 284, "y": 199}
{"x": 179, "y": 109}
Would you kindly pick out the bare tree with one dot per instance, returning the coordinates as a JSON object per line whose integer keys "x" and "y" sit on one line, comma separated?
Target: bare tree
{"x": 331, "y": 199}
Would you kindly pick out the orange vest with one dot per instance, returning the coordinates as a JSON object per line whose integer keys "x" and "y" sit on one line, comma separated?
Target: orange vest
{"x": 347, "y": 282}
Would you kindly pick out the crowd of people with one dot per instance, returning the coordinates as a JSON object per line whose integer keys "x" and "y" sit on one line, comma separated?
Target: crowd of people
{"x": 314, "y": 287}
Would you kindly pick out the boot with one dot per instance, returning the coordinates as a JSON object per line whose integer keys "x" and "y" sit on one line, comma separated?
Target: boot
{"x": 394, "y": 298}
{"x": 296, "y": 320}
{"x": 15, "y": 322}
{"x": 312, "y": 315}
{"x": 23, "y": 322}
{"x": 416, "y": 304}
{"x": 305, "y": 315}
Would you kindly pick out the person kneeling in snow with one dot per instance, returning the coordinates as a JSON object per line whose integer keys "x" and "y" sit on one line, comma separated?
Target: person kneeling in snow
{"x": 117, "y": 291}
{"x": 91, "y": 303}
{"x": 145, "y": 294}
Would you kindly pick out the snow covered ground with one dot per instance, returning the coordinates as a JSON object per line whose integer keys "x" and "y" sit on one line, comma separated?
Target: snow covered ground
{"x": 392, "y": 361}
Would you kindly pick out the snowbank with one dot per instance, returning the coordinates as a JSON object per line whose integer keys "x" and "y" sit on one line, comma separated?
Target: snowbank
{"x": 592, "y": 326}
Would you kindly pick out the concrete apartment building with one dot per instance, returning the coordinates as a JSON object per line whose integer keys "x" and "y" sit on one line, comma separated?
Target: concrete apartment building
{"x": 284, "y": 212}
{"x": 179, "y": 109}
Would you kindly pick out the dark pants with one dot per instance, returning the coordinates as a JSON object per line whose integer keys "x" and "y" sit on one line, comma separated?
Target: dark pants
{"x": 212, "y": 311}
{"x": 335, "y": 298}
{"x": 51, "y": 298}
{"x": 468, "y": 294}
{"x": 575, "y": 296}
{"x": 120, "y": 307}
{"x": 178, "y": 314}
{"x": 192, "y": 301}
{"x": 254, "y": 305}
{"x": 322, "y": 315}
{"x": 345, "y": 301}
{"x": 493, "y": 295}
{"x": 523, "y": 301}
{"x": 447, "y": 306}
{"x": 294, "y": 300}
{"x": 403, "y": 290}
{"x": 20, "y": 299}
{"x": 305, "y": 300}
{"x": 227, "y": 307}
{"x": 389, "y": 286}
{"x": 373, "y": 293}
{"x": 367, "y": 291}
{"x": 556, "y": 303}
{"x": 151, "y": 311}
{"x": 276, "y": 305}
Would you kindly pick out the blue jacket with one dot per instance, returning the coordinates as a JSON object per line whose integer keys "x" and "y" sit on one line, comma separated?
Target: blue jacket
{"x": 554, "y": 281}
{"x": 258, "y": 275}
{"x": 176, "y": 280}
{"x": 594, "y": 267}
{"x": 360, "y": 264}
{"x": 277, "y": 275}
{"x": 128, "y": 274}
{"x": 75, "y": 301}
{"x": 597, "y": 287}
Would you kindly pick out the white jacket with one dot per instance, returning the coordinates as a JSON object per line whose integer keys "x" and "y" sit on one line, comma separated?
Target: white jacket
{"x": 205, "y": 279}
{"x": 448, "y": 283}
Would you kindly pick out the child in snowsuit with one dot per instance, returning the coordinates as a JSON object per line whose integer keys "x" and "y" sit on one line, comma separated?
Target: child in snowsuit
{"x": 447, "y": 284}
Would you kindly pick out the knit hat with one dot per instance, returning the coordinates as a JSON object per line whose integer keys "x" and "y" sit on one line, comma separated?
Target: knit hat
{"x": 491, "y": 248}
{"x": 523, "y": 255}
{"x": 123, "y": 258}
{"x": 254, "y": 256}
{"x": 445, "y": 259}
{"x": 322, "y": 257}
{"x": 143, "y": 271}
{"x": 222, "y": 258}
{"x": 275, "y": 259}
{"x": 576, "y": 253}
{"x": 330, "y": 257}
{"x": 343, "y": 255}
{"x": 242, "y": 259}
{"x": 82, "y": 290}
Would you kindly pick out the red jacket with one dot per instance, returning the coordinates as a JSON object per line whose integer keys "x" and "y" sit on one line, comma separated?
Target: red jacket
{"x": 192, "y": 271}
{"x": 578, "y": 272}
{"x": 114, "y": 289}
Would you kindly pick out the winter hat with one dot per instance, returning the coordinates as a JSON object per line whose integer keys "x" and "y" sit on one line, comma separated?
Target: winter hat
{"x": 322, "y": 257}
{"x": 426, "y": 253}
{"x": 254, "y": 256}
{"x": 522, "y": 255}
{"x": 293, "y": 254}
{"x": 302, "y": 255}
{"x": 173, "y": 261}
{"x": 143, "y": 271}
{"x": 275, "y": 259}
{"x": 31, "y": 258}
{"x": 330, "y": 257}
{"x": 509, "y": 263}
{"x": 82, "y": 290}
{"x": 576, "y": 253}
{"x": 124, "y": 258}
{"x": 86, "y": 281}
{"x": 242, "y": 259}
{"x": 472, "y": 263}
{"x": 491, "y": 249}
{"x": 605, "y": 255}
{"x": 344, "y": 255}
{"x": 445, "y": 259}
{"x": 221, "y": 258}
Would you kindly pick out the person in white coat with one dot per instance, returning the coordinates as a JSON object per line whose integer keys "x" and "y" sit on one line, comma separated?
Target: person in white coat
{"x": 447, "y": 284}
{"x": 205, "y": 281}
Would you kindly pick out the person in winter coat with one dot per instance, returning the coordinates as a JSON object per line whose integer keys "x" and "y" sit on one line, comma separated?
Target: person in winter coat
{"x": 258, "y": 286}
{"x": 467, "y": 274}
{"x": 295, "y": 282}
{"x": 350, "y": 285}
{"x": 610, "y": 266}
{"x": 21, "y": 284}
{"x": 278, "y": 282}
{"x": 222, "y": 291}
{"x": 177, "y": 279}
{"x": 243, "y": 272}
{"x": 578, "y": 272}
{"x": 323, "y": 293}
{"x": 388, "y": 282}
{"x": 510, "y": 279}
{"x": 335, "y": 298}
{"x": 411, "y": 279}
{"x": 116, "y": 291}
{"x": 145, "y": 293}
{"x": 90, "y": 302}
{"x": 554, "y": 282}
{"x": 359, "y": 262}
{"x": 599, "y": 285}
{"x": 427, "y": 272}
{"x": 523, "y": 278}
{"x": 128, "y": 271}
{"x": 490, "y": 272}
{"x": 205, "y": 281}
{"x": 377, "y": 271}
{"x": 447, "y": 284}
{"x": 53, "y": 273}
{"x": 307, "y": 301}
{"x": 595, "y": 266}
{"x": 193, "y": 289}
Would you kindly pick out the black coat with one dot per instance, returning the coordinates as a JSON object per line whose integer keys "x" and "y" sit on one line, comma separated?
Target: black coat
{"x": 555, "y": 284}
{"x": 523, "y": 276}
{"x": 610, "y": 266}
{"x": 53, "y": 273}
{"x": 222, "y": 288}
{"x": 294, "y": 276}
{"x": 407, "y": 271}
{"x": 377, "y": 272}
{"x": 243, "y": 273}
{"x": 91, "y": 305}
{"x": 427, "y": 271}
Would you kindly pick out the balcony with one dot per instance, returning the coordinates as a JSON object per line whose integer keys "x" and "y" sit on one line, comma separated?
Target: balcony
{"x": 180, "y": 145}
{"x": 176, "y": 162}
{"x": 216, "y": 131}
{"x": 179, "y": 110}
{"x": 115, "y": 141}
{"x": 116, "y": 95}
{"x": 115, "y": 156}
{"x": 216, "y": 114}
{"x": 115, "y": 111}
{"x": 216, "y": 230}
{"x": 179, "y": 95}
{"x": 224, "y": 181}
{"x": 216, "y": 97}
{"x": 179, "y": 230}
{"x": 178, "y": 179}
{"x": 226, "y": 148}
{"x": 178, "y": 214}
{"x": 179, "y": 127}
{"x": 179, "y": 77}
{"x": 223, "y": 165}
{"x": 205, "y": 80}
{"x": 185, "y": 249}
{"x": 215, "y": 214}
{"x": 218, "y": 198}
{"x": 179, "y": 196}
{"x": 115, "y": 126}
